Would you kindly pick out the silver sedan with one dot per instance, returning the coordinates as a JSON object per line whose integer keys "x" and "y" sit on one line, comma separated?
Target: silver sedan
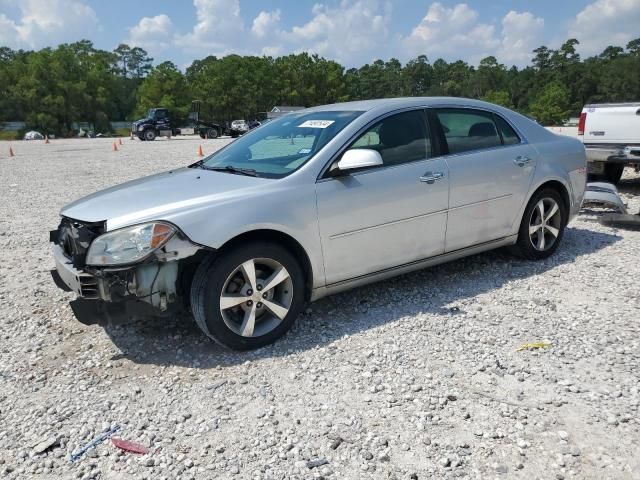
{"x": 319, "y": 201}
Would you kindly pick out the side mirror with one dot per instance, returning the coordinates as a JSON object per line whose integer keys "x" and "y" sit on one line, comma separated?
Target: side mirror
{"x": 359, "y": 158}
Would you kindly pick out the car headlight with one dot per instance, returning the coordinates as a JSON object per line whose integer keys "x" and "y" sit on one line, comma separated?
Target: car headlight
{"x": 141, "y": 128}
{"x": 129, "y": 245}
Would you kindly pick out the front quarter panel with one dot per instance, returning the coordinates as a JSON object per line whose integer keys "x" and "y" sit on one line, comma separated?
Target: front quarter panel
{"x": 286, "y": 206}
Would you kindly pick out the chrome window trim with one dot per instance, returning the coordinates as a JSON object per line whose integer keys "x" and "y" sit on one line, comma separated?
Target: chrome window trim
{"x": 488, "y": 149}
{"x": 523, "y": 139}
{"x": 379, "y": 169}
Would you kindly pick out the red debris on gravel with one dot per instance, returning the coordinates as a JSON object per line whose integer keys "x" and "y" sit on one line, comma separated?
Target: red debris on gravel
{"x": 128, "y": 446}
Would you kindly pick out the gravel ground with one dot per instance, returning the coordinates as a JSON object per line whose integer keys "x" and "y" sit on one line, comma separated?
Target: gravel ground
{"x": 417, "y": 377}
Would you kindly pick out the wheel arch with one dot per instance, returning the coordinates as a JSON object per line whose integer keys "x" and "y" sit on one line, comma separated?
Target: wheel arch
{"x": 281, "y": 238}
{"x": 558, "y": 186}
{"x": 555, "y": 184}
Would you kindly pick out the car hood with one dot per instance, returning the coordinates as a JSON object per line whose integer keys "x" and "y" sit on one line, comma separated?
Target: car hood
{"x": 160, "y": 196}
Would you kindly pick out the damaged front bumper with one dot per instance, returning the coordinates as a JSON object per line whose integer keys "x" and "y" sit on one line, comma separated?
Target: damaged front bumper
{"x": 603, "y": 194}
{"x": 155, "y": 281}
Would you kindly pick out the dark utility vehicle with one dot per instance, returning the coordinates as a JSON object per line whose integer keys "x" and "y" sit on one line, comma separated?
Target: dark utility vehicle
{"x": 158, "y": 123}
{"x": 201, "y": 127}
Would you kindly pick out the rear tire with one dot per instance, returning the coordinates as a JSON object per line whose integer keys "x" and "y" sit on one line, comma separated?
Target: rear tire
{"x": 613, "y": 172}
{"x": 542, "y": 226}
{"x": 228, "y": 309}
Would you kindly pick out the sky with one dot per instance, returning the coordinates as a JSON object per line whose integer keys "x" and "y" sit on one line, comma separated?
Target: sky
{"x": 353, "y": 32}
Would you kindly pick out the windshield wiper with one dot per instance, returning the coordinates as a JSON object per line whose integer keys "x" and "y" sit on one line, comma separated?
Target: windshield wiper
{"x": 250, "y": 172}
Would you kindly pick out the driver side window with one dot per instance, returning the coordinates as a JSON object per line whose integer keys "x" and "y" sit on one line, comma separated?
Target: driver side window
{"x": 400, "y": 138}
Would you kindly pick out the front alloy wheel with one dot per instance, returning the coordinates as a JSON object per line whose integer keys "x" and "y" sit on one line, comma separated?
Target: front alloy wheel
{"x": 256, "y": 297}
{"x": 249, "y": 296}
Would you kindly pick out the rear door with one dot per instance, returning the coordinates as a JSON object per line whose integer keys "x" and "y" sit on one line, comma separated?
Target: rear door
{"x": 386, "y": 216}
{"x": 490, "y": 171}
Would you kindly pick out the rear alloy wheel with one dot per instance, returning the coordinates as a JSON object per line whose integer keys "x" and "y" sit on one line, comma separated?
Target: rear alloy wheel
{"x": 212, "y": 133}
{"x": 248, "y": 297}
{"x": 150, "y": 135}
{"x": 542, "y": 225}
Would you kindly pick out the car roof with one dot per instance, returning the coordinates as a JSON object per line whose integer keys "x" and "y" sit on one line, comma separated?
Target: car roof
{"x": 402, "y": 102}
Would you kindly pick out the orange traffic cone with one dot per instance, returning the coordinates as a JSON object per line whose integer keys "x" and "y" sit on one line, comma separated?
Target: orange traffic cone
{"x": 200, "y": 154}
{"x": 46, "y": 139}
{"x": 115, "y": 147}
{"x": 11, "y": 152}
{"x": 119, "y": 141}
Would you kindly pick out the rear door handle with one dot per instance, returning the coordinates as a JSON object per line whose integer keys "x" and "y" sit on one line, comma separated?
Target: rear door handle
{"x": 431, "y": 177}
{"x": 522, "y": 160}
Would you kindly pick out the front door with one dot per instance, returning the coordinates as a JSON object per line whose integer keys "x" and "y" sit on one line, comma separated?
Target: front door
{"x": 490, "y": 170}
{"x": 379, "y": 218}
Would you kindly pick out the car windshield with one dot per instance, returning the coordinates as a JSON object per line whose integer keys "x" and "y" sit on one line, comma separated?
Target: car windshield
{"x": 281, "y": 146}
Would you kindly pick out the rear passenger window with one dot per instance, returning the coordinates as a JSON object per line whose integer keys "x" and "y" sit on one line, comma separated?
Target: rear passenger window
{"x": 509, "y": 136}
{"x": 399, "y": 138}
{"x": 466, "y": 129}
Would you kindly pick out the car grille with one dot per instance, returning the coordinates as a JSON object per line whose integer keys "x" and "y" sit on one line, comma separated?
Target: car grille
{"x": 74, "y": 237}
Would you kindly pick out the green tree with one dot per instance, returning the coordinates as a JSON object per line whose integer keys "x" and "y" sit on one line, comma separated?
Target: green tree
{"x": 634, "y": 47}
{"x": 417, "y": 76}
{"x": 499, "y": 97}
{"x": 551, "y": 106}
{"x": 54, "y": 88}
{"x": 164, "y": 87}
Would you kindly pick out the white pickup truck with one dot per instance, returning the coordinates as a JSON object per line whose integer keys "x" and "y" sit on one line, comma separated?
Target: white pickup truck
{"x": 611, "y": 136}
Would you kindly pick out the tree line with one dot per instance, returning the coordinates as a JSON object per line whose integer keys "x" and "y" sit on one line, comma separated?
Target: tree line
{"x": 53, "y": 88}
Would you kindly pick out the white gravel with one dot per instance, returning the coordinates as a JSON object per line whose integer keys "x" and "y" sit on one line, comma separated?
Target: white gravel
{"x": 411, "y": 378}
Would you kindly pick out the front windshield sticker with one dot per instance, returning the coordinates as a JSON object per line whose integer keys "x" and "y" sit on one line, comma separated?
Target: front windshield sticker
{"x": 304, "y": 151}
{"x": 316, "y": 124}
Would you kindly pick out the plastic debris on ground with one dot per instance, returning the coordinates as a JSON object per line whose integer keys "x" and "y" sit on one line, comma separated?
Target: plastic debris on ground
{"x": 45, "y": 444}
{"x": 533, "y": 346}
{"x": 128, "y": 446}
{"x": 75, "y": 456}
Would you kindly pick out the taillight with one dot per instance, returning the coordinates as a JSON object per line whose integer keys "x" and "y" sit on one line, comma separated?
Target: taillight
{"x": 581, "y": 123}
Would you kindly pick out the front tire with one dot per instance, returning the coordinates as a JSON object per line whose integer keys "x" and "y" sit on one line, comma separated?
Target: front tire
{"x": 542, "y": 226}
{"x": 249, "y": 296}
{"x": 149, "y": 135}
{"x": 212, "y": 133}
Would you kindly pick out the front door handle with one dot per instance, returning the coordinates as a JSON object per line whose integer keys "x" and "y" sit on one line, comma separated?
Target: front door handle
{"x": 522, "y": 160}
{"x": 431, "y": 177}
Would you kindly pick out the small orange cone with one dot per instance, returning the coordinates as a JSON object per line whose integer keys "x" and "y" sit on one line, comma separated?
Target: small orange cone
{"x": 11, "y": 152}
{"x": 119, "y": 141}
{"x": 200, "y": 154}
{"x": 115, "y": 147}
{"x": 46, "y": 139}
